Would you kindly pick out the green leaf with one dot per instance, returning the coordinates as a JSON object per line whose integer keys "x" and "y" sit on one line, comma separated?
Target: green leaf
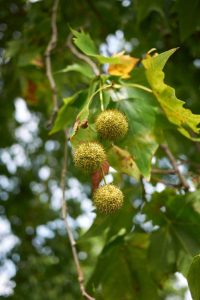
{"x": 67, "y": 113}
{"x": 162, "y": 253}
{"x": 144, "y": 8}
{"x": 123, "y": 220}
{"x": 64, "y": 118}
{"x": 194, "y": 278}
{"x": 84, "y": 113}
{"x": 82, "y": 131}
{"x": 123, "y": 162}
{"x": 177, "y": 215}
{"x": 13, "y": 48}
{"x": 189, "y": 22}
{"x": 88, "y": 134}
{"x": 122, "y": 271}
{"x": 84, "y": 42}
{"x": 183, "y": 118}
{"x": 84, "y": 69}
{"x": 142, "y": 139}
{"x": 27, "y": 58}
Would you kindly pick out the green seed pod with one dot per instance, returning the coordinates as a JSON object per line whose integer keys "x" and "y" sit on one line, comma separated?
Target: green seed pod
{"x": 89, "y": 156}
{"x": 108, "y": 199}
{"x": 112, "y": 125}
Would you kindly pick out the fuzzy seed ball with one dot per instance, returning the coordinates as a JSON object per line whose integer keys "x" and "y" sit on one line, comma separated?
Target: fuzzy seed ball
{"x": 111, "y": 125}
{"x": 108, "y": 199}
{"x": 89, "y": 156}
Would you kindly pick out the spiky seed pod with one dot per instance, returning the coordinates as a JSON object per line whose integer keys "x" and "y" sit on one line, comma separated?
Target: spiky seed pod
{"x": 89, "y": 156}
{"x": 112, "y": 124}
{"x": 108, "y": 199}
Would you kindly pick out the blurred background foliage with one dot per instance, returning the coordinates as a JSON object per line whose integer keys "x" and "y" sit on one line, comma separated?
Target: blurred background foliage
{"x": 143, "y": 246}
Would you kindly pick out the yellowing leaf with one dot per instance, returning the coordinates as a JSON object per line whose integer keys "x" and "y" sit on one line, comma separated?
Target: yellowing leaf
{"x": 182, "y": 117}
{"x": 124, "y": 67}
{"x": 123, "y": 161}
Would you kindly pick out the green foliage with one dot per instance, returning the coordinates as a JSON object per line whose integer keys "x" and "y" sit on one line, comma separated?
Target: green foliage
{"x": 180, "y": 223}
{"x": 123, "y": 162}
{"x": 145, "y": 8}
{"x": 172, "y": 106}
{"x": 193, "y": 277}
{"x": 84, "y": 42}
{"x": 84, "y": 69}
{"x": 141, "y": 140}
{"x": 188, "y": 22}
{"x": 141, "y": 109}
{"x": 67, "y": 113}
{"x": 136, "y": 252}
{"x": 132, "y": 278}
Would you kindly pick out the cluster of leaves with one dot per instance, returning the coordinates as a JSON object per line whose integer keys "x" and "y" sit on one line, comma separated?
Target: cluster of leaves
{"x": 150, "y": 105}
{"x": 152, "y": 108}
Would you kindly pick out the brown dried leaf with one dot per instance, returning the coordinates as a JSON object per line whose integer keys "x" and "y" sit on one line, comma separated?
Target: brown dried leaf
{"x": 98, "y": 175}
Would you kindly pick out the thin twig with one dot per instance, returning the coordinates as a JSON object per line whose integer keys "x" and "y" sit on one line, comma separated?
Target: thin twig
{"x": 172, "y": 159}
{"x": 190, "y": 162}
{"x": 159, "y": 180}
{"x": 51, "y": 45}
{"x": 163, "y": 171}
{"x": 68, "y": 228}
{"x": 81, "y": 56}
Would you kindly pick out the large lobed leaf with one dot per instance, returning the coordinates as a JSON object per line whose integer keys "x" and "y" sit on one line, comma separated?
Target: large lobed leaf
{"x": 142, "y": 139}
{"x": 122, "y": 271}
{"x": 183, "y": 118}
{"x": 178, "y": 235}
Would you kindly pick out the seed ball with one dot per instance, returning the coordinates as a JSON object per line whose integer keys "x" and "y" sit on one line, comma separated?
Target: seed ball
{"x": 89, "y": 156}
{"x": 108, "y": 199}
{"x": 112, "y": 125}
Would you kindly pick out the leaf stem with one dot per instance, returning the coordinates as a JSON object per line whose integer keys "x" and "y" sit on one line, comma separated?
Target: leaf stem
{"x": 103, "y": 87}
{"x": 138, "y": 86}
{"x": 101, "y": 97}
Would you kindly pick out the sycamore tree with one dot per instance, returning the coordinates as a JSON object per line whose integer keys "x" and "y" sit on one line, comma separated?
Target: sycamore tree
{"x": 100, "y": 144}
